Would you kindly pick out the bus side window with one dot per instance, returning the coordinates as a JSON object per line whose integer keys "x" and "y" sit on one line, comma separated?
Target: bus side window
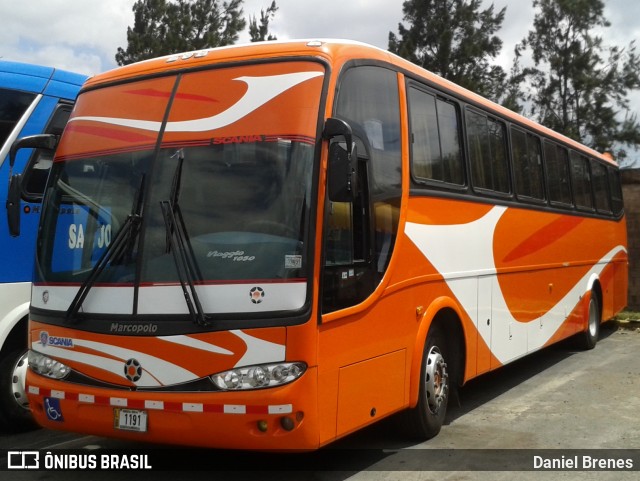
{"x": 616, "y": 191}
{"x": 558, "y": 178}
{"x": 487, "y": 153}
{"x": 37, "y": 171}
{"x": 601, "y": 187}
{"x": 435, "y": 126}
{"x": 13, "y": 105}
{"x": 527, "y": 164}
{"x": 581, "y": 180}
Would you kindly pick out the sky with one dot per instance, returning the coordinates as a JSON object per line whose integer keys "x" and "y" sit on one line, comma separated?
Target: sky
{"x": 84, "y": 36}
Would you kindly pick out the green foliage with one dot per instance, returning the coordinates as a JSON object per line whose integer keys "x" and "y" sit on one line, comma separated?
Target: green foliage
{"x": 628, "y": 316}
{"x": 454, "y": 39}
{"x": 578, "y": 86}
{"x": 163, "y": 27}
{"x": 259, "y": 33}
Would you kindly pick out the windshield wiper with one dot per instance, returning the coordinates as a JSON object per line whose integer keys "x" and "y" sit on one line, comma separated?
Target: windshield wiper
{"x": 118, "y": 246}
{"x": 177, "y": 241}
{"x": 183, "y": 258}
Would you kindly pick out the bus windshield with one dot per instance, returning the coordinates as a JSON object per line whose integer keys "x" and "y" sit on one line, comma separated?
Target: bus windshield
{"x": 222, "y": 211}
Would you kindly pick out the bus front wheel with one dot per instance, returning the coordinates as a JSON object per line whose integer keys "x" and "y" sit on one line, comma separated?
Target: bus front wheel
{"x": 425, "y": 420}
{"x": 14, "y": 407}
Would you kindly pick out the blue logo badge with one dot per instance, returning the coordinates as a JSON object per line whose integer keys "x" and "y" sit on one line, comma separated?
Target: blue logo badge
{"x": 53, "y": 410}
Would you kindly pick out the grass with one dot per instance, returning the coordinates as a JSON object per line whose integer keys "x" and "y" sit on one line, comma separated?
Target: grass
{"x": 628, "y": 320}
{"x": 628, "y": 316}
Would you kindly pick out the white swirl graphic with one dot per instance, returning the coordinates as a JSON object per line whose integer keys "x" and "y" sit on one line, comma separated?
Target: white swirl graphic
{"x": 260, "y": 91}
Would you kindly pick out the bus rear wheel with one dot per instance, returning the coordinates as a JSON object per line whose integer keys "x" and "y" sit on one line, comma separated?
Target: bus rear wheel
{"x": 425, "y": 420}
{"x": 589, "y": 337}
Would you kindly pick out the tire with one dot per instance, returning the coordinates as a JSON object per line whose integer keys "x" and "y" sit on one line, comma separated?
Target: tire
{"x": 14, "y": 408}
{"x": 589, "y": 337}
{"x": 425, "y": 420}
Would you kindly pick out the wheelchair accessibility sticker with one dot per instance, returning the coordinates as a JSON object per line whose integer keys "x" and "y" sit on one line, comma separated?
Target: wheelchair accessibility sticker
{"x": 52, "y": 408}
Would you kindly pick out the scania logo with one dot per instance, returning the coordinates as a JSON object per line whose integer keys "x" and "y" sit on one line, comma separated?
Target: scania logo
{"x": 45, "y": 296}
{"x": 132, "y": 370}
{"x": 47, "y": 340}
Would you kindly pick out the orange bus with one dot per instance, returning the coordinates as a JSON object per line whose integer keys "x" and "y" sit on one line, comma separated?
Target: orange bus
{"x": 271, "y": 246}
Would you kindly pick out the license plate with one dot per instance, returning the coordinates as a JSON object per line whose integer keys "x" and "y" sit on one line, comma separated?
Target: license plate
{"x": 130, "y": 420}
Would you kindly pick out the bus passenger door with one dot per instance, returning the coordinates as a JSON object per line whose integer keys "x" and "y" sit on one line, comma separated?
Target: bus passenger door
{"x": 348, "y": 272}
{"x": 362, "y": 352}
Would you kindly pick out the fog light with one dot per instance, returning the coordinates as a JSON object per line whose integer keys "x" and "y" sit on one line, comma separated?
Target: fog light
{"x": 262, "y": 426}
{"x": 287, "y": 423}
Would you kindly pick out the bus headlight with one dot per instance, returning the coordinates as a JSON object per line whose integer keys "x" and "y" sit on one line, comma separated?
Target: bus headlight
{"x": 258, "y": 377}
{"x": 48, "y": 367}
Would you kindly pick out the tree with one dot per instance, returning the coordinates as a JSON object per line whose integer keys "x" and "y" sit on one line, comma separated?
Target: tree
{"x": 163, "y": 27}
{"x": 259, "y": 33}
{"x": 578, "y": 86}
{"x": 454, "y": 39}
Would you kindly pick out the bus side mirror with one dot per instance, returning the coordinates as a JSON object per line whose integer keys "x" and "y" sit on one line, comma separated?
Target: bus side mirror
{"x": 13, "y": 205}
{"x": 342, "y": 171}
{"x": 42, "y": 141}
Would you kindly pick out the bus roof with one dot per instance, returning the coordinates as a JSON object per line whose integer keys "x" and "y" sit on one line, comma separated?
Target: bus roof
{"x": 40, "y": 79}
{"x": 335, "y": 52}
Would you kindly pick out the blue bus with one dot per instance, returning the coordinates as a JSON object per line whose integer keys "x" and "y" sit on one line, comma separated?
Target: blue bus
{"x": 33, "y": 100}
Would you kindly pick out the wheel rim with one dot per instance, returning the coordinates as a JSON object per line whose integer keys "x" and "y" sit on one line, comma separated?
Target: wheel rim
{"x": 593, "y": 319}
{"x": 18, "y": 382}
{"x": 436, "y": 380}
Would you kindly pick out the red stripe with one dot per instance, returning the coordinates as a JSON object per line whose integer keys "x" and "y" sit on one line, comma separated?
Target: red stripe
{"x": 172, "y": 406}
{"x": 213, "y": 408}
{"x": 168, "y": 284}
{"x": 257, "y": 409}
{"x": 110, "y": 133}
{"x": 228, "y": 282}
{"x": 135, "y": 403}
{"x": 168, "y": 406}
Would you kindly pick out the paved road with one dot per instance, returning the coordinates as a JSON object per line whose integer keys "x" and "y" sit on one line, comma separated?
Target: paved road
{"x": 559, "y": 399}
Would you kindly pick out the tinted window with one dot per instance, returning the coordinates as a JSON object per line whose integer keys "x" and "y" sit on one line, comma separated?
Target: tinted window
{"x": 13, "y": 104}
{"x": 581, "y": 180}
{"x": 527, "y": 164}
{"x": 616, "y": 191}
{"x": 558, "y": 176}
{"x": 600, "y": 187}
{"x": 369, "y": 100}
{"x": 362, "y": 233}
{"x": 435, "y": 138}
{"x": 36, "y": 174}
{"x": 487, "y": 153}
